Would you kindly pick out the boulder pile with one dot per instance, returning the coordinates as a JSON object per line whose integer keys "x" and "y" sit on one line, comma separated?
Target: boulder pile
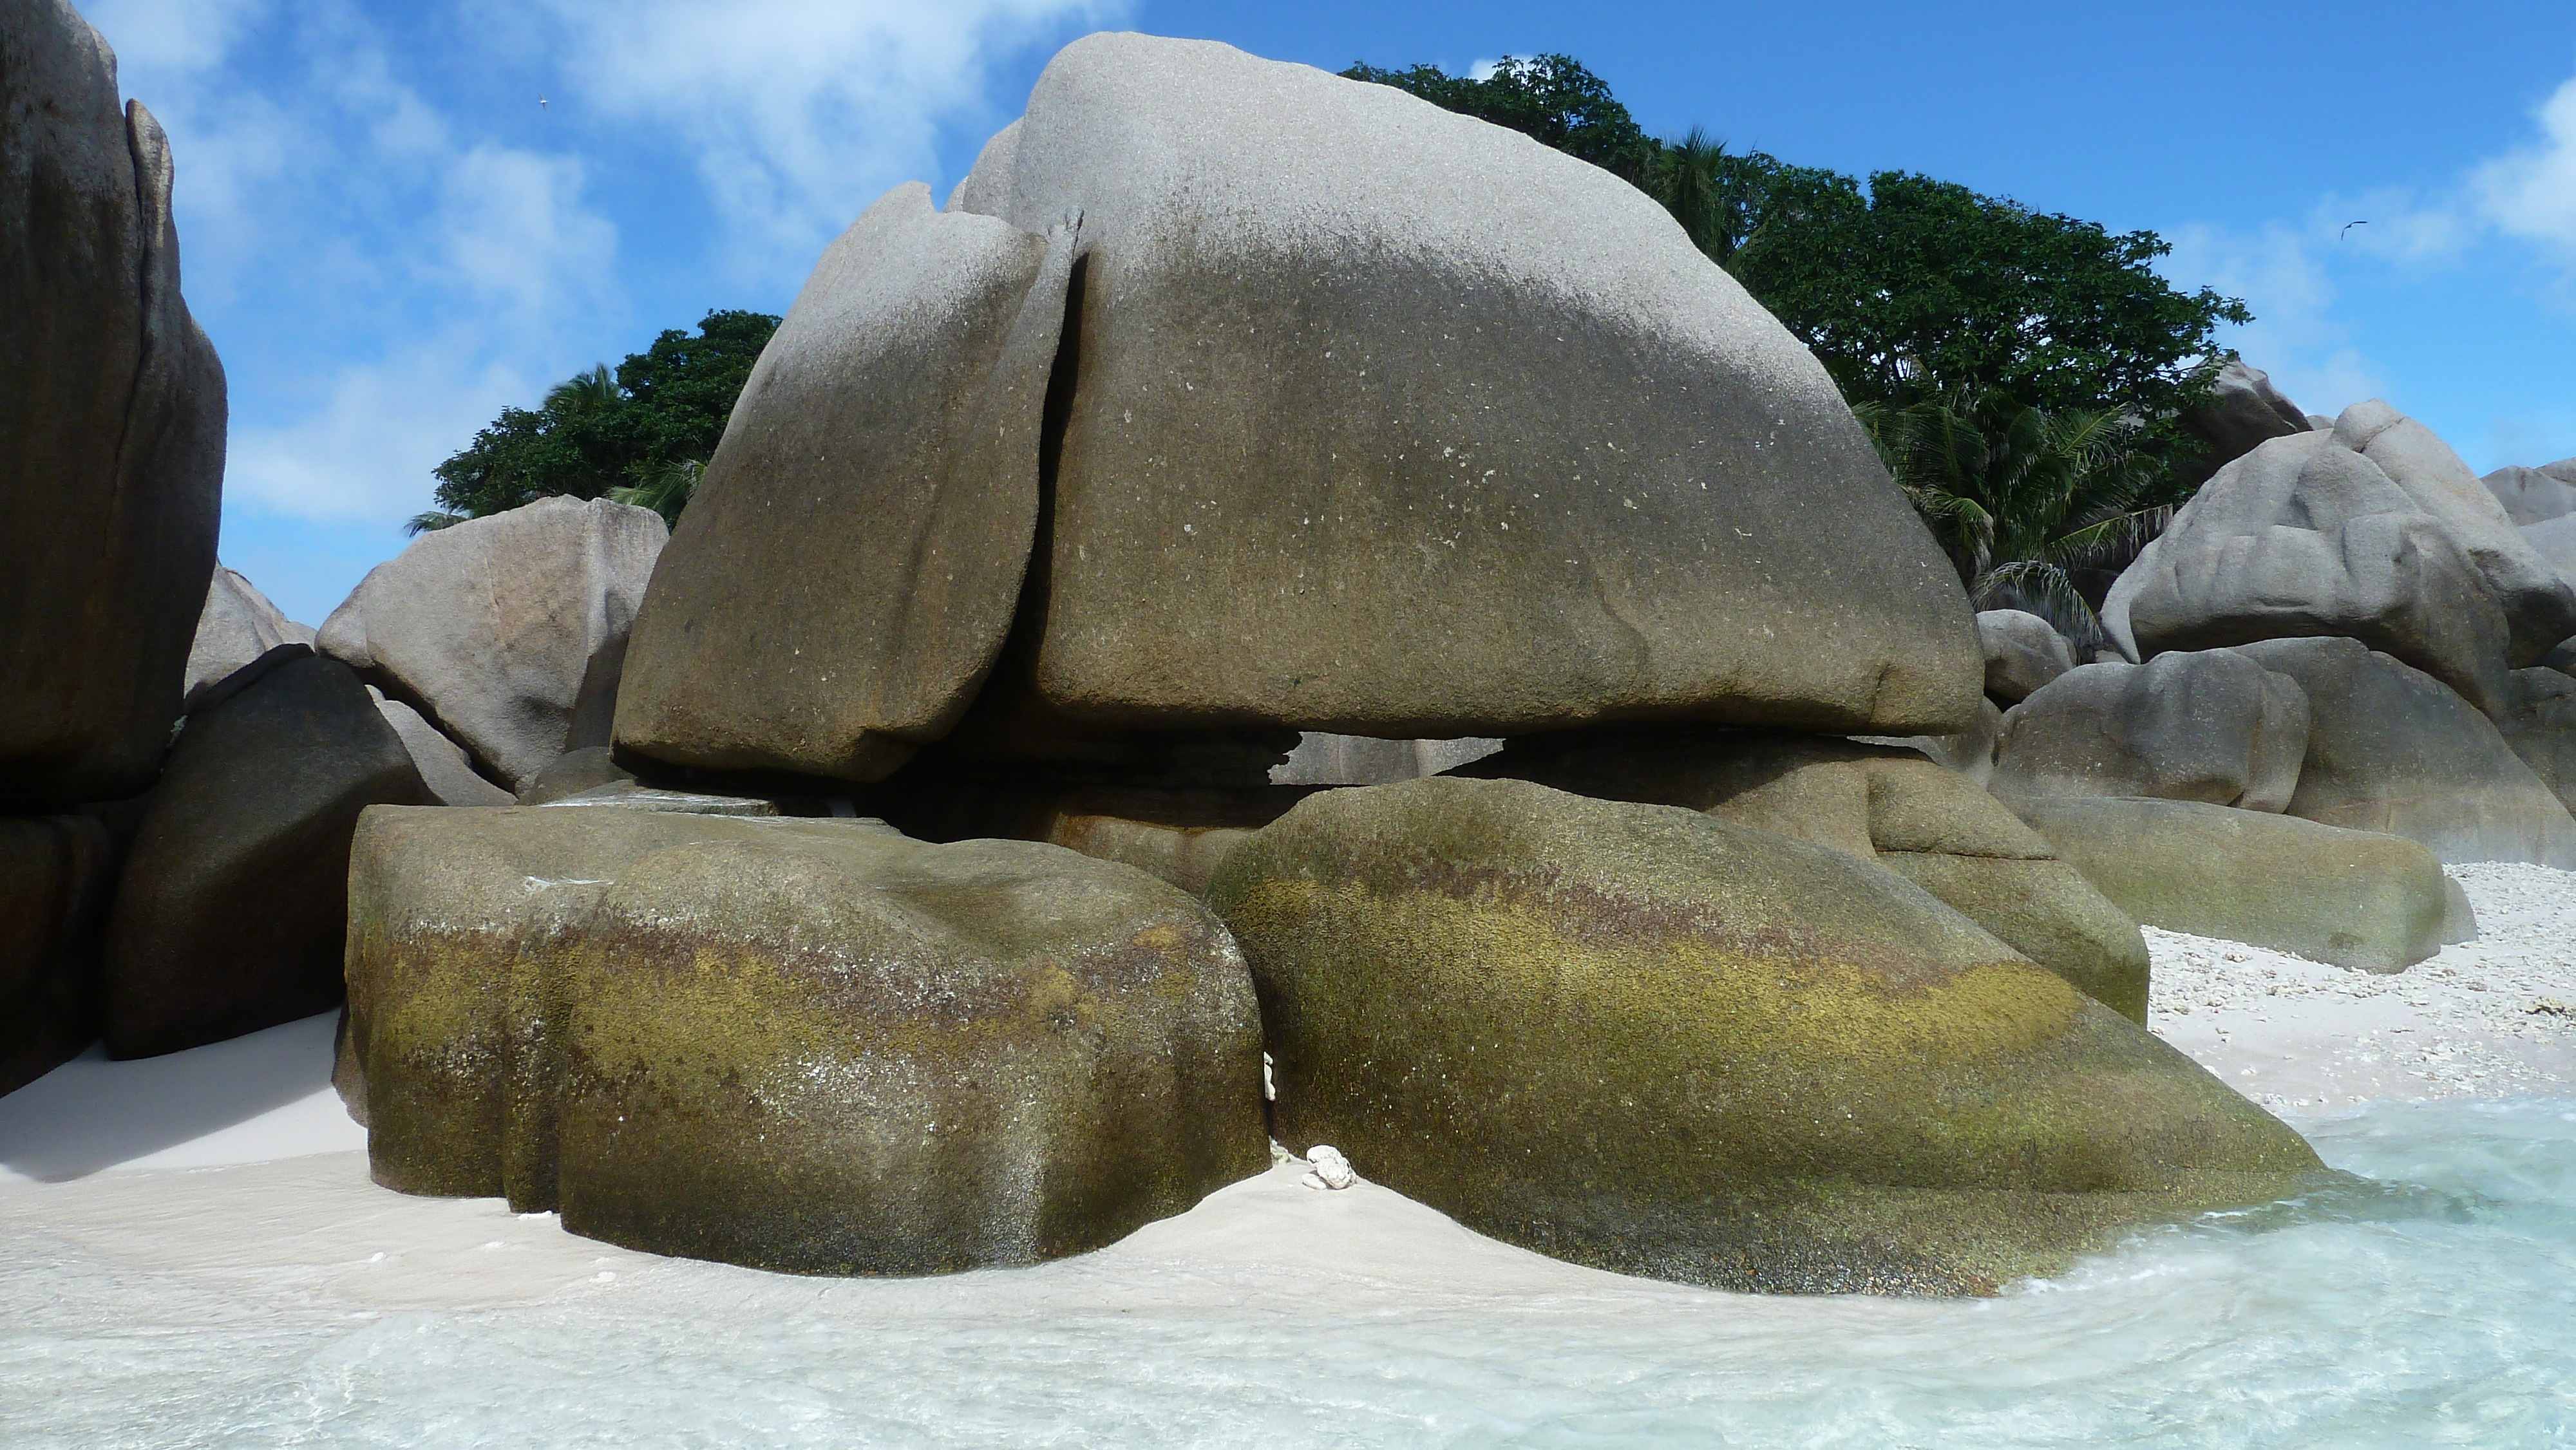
{"x": 1191, "y": 598}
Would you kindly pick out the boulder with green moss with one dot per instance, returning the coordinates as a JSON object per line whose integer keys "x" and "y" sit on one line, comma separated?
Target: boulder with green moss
{"x": 1886, "y": 805}
{"x": 2359, "y": 899}
{"x": 810, "y": 1045}
{"x": 1641, "y": 1038}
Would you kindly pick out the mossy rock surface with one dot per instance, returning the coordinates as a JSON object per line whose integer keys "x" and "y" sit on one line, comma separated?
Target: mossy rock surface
{"x": 809, "y": 1045}
{"x": 1641, "y": 1038}
{"x": 1885, "y": 805}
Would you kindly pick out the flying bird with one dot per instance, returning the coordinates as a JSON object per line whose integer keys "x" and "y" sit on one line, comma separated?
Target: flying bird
{"x": 2347, "y": 227}
{"x": 541, "y": 103}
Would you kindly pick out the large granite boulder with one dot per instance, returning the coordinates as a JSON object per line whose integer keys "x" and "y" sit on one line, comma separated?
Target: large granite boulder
{"x": 1467, "y": 440}
{"x": 2353, "y": 898}
{"x": 2194, "y": 725}
{"x": 229, "y": 914}
{"x": 237, "y": 626}
{"x": 808, "y": 1045}
{"x": 2541, "y": 728}
{"x": 2390, "y": 749}
{"x": 1886, "y": 805}
{"x": 111, "y": 425}
{"x": 2375, "y": 532}
{"x": 507, "y": 633}
{"x": 847, "y": 570}
{"x": 1641, "y": 1038}
{"x": 2535, "y": 495}
{"x": 2244, "y": 411}
{"x": 2023, "y": 652}
{"x": 445, "y": 773}
{"x": 2555, "y": 541}
{"x": 55, "y": 873}
{"x": 1179, "y": 835}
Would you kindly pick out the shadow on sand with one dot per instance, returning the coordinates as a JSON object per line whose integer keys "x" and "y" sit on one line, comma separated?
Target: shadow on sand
{"x": 90, "y": 1113}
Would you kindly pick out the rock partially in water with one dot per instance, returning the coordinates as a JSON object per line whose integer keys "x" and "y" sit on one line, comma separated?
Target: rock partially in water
{"x": 809, "y": 1045}
{"x": 1641, "y": 1038}
{"x": 2360, "y": 899}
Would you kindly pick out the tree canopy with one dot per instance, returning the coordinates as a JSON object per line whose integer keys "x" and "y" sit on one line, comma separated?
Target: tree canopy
{"x": 1907, "y": 288}
{"x": 639, "y": 433}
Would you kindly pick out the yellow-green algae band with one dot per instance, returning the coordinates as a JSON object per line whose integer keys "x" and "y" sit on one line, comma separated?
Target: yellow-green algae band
{"x": 814, "y": 1046}
{"x": 1641, "y": 1038}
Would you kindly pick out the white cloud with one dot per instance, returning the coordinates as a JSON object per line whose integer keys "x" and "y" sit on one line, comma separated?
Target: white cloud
{"x": 2285, "y": 274}
{"x": 2531, "y": 192}
{"x": 799, "y": 114}
{"x": 364, "y": 454}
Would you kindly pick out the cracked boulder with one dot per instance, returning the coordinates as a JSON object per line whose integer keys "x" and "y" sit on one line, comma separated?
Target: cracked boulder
{"x": 2197, "y": 725}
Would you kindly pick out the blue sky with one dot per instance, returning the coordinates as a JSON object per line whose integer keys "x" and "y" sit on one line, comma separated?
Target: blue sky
{"x": 389, "y": 238}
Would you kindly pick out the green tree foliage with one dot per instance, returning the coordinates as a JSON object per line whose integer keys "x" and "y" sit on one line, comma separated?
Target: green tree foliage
{"x": 2023, "y": 499}
{"x": 638, "y": 434}
{"x": 1551, "y": 99}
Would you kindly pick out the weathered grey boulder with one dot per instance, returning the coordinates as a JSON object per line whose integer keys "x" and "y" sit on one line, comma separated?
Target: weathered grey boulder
{"x": 808, "y": 1045}
{"x": 228, "y": 916}
{"x": 444, "y": 771}
{"x": 2555, "y": 541}
{"x": 1322, "y": 758}
{"x": 2375, "y": 532}
{"x": 1885, "y": 805}
{"x": 1467, "y": 440}
{"x": 55, "y": 873}
{"x": 2390, "y": 749}
{"x": 2023, "y": 652}
{"x": 2541, "y": 728}
{"x": 2196, "y": 725}
{"x": 1971, "y": 752}
{"x": 1179, "y": 835}
{"x": 507, "y": 633}
{"x": 847, "y": 569}
{"x": 237, "y": 626}
{"x": 111, "y": 425}
{"x": 573, "y": 772}
{"x": 2244, "y": 411}
{"x": 2535, "y": 495}
{"x": 2354, "y": 898}
{"x": 1641, "y": 1038}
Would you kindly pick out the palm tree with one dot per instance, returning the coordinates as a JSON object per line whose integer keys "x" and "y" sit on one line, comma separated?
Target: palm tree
{"x": 1714, "y": 194}
{"x": 664, "y": 490}
{"x": 584, "y": 391}
{"x": 2021, "y": 497}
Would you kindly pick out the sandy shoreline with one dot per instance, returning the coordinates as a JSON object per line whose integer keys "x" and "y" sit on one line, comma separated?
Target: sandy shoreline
{"x": 234, "y": 1166}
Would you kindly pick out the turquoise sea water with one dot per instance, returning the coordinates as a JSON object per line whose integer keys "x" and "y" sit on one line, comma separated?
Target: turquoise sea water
{"x": 2435, "y": 1306}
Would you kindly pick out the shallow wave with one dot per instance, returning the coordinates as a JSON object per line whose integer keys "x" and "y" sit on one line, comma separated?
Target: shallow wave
{"x": 2427, "y": 1300}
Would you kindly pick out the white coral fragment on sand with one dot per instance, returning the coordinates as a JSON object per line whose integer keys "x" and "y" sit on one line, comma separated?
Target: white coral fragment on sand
{"x": 1332, "y": 1170}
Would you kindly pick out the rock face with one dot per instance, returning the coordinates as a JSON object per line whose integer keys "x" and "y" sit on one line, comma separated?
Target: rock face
{"x": 2023, "y": 652}
{"x": 228, "y": 917}
{"x": 2244, "y": 412}
{"x": 1179, "y": 836}
{"x": 2353, "y": 898}
{"x": 111, "y": 425}
{"x": 847, "y": 570}
{"x": 237, "y": 626}
{"x": 1637, "y": 1037}
{"x": 1883, "y": 805}
{"x": 507, "y": 633}
{"x": 2541, "y": 728}
{"x": 2375, "y": 532}
{"x": 55, "y": 873}
{"x": 1468, "y": 440}
{"x": 2389, "y": 749}
{"x": 807, "y": 1045}
{"x": 2535, "y": 495}
{"x": 2200, "y": 725}
{"x": 444, "y": 771}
